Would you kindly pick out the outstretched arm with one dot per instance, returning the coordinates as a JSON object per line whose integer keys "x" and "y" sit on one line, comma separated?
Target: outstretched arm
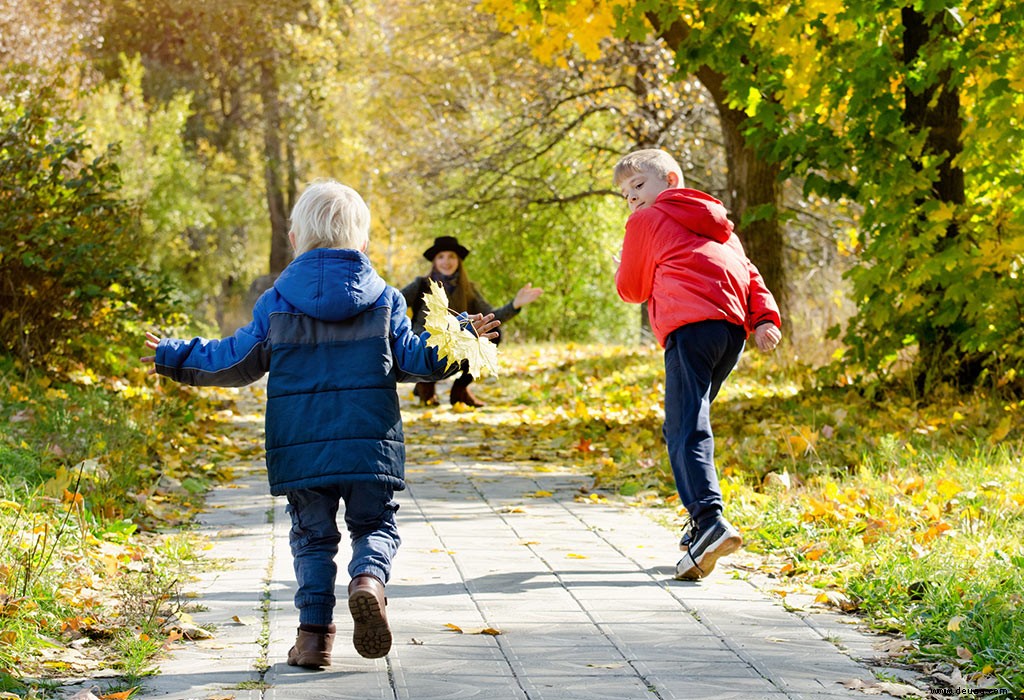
{"x": 526, "y": 295}
{"x": 152, "y": 340}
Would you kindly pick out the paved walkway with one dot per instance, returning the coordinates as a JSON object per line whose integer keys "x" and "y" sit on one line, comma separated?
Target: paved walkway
{"x": 581, "y": 593}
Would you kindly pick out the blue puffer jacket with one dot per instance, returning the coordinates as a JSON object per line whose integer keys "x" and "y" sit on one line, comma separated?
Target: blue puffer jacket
{"x": 336, "y": 340}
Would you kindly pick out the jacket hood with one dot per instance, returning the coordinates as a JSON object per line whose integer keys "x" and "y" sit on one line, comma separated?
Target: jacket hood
{"x": 698, "y": 212}
{"x": 330, "y": 284}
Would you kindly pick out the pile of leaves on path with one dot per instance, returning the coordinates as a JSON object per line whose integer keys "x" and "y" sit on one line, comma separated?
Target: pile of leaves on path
{"x": 99, "y": 474}
{"x": 909, "y": 513}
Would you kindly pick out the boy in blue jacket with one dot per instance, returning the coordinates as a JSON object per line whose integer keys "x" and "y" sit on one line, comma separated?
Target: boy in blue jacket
{"x": 336, "y": 340}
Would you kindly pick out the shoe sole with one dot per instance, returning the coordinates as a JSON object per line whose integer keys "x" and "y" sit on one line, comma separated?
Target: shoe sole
{"x": 371, "y": 635}
{"x": 714, "y": 552}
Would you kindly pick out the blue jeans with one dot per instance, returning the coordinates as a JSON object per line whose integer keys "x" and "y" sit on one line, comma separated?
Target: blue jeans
{"x": 698, "y": 358}
{"x": 370, "y": 517}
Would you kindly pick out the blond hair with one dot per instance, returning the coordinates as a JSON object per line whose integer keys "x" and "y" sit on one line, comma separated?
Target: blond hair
{"x": 330, "y": 215}
{"x": 652, "y": 160}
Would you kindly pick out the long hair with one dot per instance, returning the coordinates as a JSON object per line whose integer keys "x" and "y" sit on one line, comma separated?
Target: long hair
{"x": 463, "y": 290}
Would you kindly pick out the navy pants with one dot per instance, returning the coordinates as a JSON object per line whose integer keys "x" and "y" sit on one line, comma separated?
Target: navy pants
{"x": 370, "y": 517}
{"x": 698, "y": 358}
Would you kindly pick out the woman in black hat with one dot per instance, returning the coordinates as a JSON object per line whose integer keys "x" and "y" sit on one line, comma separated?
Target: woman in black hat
{"x": 446, "y": 255}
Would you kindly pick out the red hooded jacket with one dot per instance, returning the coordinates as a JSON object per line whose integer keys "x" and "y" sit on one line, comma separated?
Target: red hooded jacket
{"x": 681, "y": 256}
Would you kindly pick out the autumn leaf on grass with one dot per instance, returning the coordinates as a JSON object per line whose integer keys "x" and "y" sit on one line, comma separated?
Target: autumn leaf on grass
{"x": 453, "y": 341}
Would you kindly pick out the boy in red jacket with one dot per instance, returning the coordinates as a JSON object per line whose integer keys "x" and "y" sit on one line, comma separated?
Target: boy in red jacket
{"x": 704, "y": 297}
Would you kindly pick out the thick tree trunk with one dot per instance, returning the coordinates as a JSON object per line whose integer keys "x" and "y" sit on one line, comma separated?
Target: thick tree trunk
{"x": 937, "y": 110}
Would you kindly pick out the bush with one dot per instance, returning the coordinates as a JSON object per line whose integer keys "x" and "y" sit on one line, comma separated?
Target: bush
{"x": 69, "y": 258}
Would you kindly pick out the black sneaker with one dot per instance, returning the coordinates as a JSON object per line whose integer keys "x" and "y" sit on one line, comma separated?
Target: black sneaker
{"x": 705, "y": 548}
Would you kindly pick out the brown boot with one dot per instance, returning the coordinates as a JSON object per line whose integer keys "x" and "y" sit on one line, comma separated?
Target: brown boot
{"x": 426, "y": 393}
{"x": 462, "y": 394}
{"x": 312, "y": 649}
{"x": 371, "y": 635}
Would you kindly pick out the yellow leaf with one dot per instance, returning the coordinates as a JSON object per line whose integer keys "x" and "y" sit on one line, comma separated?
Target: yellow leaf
{"x": 485, "y": 630}
{"x": 575, "y": 556}
{"x": 1002, "y": 430}
{"x": 948, "y": 488}
{"x": 954, "y": 623}
{"x": 454, "y": 628}
{"x": 815, "y": 551}
{"x": 453, "y": 342}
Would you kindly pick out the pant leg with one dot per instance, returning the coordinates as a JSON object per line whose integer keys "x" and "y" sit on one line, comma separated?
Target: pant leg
{"x": 370, "y": 517}
{"x": 698, "y": 358}
{"x": 314, "y": 539}
{"x": 463, "y": 380}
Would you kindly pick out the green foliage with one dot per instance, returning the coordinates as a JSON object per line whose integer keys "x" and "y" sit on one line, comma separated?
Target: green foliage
{"x": 196, "y": 210}
{"x": 567, "y": 251}
{"x": 938, "y": 281}
{"x": 70, "y": 256}
{"x": 938, "y": 277}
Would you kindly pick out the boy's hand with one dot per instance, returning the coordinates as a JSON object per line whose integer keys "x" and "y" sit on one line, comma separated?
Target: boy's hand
{"x": 767, "y": 336}
{"x": 485, "y": 325}
{"x": 152, "y": 340}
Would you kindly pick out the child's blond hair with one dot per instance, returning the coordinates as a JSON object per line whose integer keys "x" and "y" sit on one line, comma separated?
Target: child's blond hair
{"x": 330, "y": 215}
{"x": 653, "y": 160}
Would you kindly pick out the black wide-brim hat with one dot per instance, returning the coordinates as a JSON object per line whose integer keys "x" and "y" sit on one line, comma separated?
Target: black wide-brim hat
{"x": 442, "y": 243}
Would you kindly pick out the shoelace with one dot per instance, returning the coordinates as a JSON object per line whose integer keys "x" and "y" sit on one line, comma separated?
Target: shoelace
{"x": 690, "y": 532}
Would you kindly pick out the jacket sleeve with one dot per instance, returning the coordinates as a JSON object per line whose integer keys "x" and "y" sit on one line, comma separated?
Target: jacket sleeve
{"x": 634, "y": 280}
{"x": 236, "y": 361}
{"x": 761, "y": 305}
{"x": 414, "y": 361}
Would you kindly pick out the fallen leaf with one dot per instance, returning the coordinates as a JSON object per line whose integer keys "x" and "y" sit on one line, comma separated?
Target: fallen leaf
{"x": 899, "y": 690}
{"x": 895, "y": 646}
{"x": 836, "y": 599}
{"x": 477, "y": 630}
{"x": 485, "y": 630}
{"x": 84, "y": 695}
{"x": 122, "y": 695}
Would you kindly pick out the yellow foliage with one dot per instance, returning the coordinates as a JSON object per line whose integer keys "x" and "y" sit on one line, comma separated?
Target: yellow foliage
{"x": 583, "y": 24}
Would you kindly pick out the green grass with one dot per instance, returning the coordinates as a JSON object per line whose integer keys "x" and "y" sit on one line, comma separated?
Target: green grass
{"x": 95, "y": 473}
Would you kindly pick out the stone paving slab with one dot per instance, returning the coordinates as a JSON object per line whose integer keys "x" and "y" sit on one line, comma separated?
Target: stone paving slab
{"x": 580, "y": 593}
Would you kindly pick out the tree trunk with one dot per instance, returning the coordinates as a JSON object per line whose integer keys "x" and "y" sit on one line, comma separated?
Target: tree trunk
{"x": 274, "y": 168}
{"x": 937, "y": 110}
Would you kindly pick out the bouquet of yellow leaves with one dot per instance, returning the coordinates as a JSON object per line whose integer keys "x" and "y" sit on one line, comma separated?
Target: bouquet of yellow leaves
{"x": 453, "y": 338}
